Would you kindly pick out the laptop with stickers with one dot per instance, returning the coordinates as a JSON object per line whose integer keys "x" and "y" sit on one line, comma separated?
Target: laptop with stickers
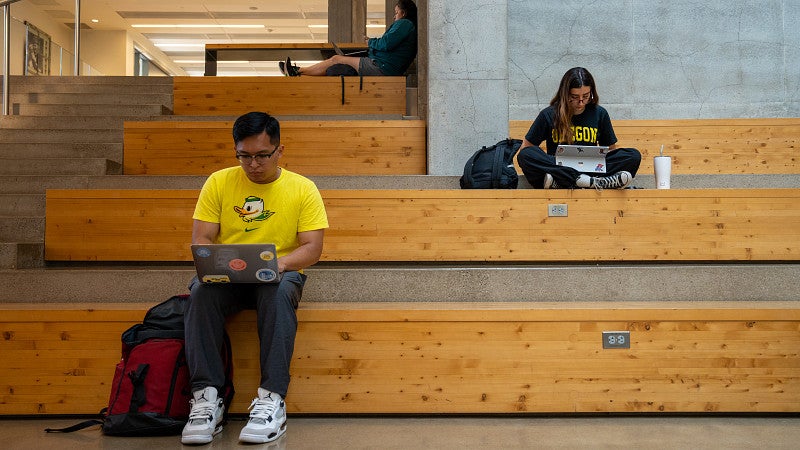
{"x": 236, "y": 263}
{"x": 583, "y": 158}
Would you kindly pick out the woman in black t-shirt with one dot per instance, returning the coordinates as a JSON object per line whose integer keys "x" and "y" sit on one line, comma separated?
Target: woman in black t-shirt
{"x": 575, "y": 117}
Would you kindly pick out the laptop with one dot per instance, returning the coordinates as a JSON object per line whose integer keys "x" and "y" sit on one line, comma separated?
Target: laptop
{"x": 236, "y": 263}
{"x": 340, "y": 52}
{"x": 583, "y": 158}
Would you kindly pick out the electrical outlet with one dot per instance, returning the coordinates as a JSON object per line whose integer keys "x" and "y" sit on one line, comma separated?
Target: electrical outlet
{"x": 557, "y": 210}
{"x": 616, "y": 339}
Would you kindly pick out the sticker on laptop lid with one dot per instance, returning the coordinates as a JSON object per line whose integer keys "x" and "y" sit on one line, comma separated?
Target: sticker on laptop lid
{"x": 216, "y": 279}
{"x": 266, "y": 275}
{"x": 237, "y": 264}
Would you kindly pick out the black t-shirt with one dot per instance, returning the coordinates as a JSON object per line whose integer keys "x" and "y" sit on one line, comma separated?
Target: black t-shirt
{"x": 591, "y": 127}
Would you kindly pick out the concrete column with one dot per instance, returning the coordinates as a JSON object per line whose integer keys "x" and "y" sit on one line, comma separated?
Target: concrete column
{"x": 347, "y": 20}
{"x": 467, "y": 78}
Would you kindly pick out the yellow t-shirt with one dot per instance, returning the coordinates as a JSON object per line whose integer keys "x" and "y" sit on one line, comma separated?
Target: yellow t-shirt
{"x": 252, "y": 213}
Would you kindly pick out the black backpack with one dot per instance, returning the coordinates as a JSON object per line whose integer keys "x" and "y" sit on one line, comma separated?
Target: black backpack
{"x": 150, "y": 391}
{"x": 492, "y": 167}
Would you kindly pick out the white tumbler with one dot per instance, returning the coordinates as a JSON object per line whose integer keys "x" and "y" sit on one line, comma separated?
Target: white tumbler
{"x": 663, "y": 170}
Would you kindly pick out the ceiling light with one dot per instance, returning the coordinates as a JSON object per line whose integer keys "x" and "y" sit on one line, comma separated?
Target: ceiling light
{"x": 154, "y": 25}
{"x": 202, "y": 61}
{"x": 170, "y": 44}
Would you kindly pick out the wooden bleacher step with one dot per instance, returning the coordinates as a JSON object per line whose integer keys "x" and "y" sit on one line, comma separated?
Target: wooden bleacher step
{"x": 458, "y": 225}
{"x": 446, "y": 358}
{"x": 289, "y": 96}
{"x": 312, "y": 147}
{"x": 709, "y": 146}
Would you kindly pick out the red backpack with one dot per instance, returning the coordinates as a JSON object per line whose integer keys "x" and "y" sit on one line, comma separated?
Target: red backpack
{"x": 150, "y": 391}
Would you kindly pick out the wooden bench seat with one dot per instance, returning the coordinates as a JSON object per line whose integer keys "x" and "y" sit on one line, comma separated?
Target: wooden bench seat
{"x": 313, "y": 147}
{"x": 233, "y": 96}
{"x": 458, "y": 225}
{"x": 709, "y": 146}
{"x": 422, "y": 358}
{"x": 298, "y": 51}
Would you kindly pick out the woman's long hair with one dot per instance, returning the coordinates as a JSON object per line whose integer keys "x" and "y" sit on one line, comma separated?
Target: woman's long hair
{"x": 574, "y": 78}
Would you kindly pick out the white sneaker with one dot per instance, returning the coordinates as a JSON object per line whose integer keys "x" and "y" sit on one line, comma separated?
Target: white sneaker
{"x": 550, "y": 182}
{"x": 267, "y": 419}
{"x": 619, "y": 180}
{"x": 204, "y": 418}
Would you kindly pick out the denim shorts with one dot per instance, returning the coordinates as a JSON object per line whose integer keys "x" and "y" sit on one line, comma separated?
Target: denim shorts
{"x": 367, "y": 67}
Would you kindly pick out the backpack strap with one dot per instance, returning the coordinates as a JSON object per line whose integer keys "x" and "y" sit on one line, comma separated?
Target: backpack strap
{"x": 76, "y": 427}
{"x": 137, "y": 377}
{"x": 341, "y": 77}
{"x": 79, "y": 426}
{"x": 497, "y": 165}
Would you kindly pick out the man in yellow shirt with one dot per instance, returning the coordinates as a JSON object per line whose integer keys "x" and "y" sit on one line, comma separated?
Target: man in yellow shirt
{"x": 255, "y": 202}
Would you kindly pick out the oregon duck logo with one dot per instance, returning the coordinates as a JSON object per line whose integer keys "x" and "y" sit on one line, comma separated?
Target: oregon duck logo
{"x": 253, "y": 210}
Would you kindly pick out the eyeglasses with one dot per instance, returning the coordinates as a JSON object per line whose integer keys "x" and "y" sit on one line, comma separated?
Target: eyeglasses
{"x": 581, "y": 98}
{"x": 260, "y": 157}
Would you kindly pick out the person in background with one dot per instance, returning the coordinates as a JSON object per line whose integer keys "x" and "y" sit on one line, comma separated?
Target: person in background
{"x": 575, "y": 117}
{"x": 390, "y": 54}
{"x": 292, "y": 216}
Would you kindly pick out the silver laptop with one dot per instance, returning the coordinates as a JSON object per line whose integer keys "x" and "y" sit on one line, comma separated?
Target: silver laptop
{"x": 340, "y": 52}
{"x": 583, "y": 158}
{"x": 236, "y": 263}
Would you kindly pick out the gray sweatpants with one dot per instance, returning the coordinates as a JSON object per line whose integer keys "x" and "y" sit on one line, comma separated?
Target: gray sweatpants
{"x": 204, "y": 321}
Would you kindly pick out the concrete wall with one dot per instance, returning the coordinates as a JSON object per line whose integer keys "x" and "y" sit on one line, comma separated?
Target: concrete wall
{"x": 467, "y": 80}
{"x": 651, "y": 59}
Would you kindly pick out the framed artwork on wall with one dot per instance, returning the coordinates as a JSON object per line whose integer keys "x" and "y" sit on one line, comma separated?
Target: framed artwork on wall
{"x": 37, "y": 51}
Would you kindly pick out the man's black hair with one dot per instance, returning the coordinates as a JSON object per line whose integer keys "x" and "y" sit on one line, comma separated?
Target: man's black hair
{"x": 255, "y": 123}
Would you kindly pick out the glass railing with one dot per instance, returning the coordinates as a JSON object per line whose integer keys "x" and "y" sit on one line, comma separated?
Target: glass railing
{"x": 28, "y": 51}
{"x": 31, "y": 52}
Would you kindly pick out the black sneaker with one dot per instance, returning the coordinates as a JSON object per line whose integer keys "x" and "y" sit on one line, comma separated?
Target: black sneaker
{"x": 291, "y": 69}
{"x": 282, "y": 67}
{"x": 619, "y": 180}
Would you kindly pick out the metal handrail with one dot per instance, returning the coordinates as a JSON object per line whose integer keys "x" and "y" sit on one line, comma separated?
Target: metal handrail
{"x": 8, "y": 2}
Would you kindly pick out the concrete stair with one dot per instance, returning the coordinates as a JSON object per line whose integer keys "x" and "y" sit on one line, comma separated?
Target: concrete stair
{"x": 72, "y": 150}
{"x": 21, "y": 228}
{"x": 11, "y": 184}
{"x": 59, "y": 166}
{"x": 62, "y": 132}
{"x": 26, "y": 278}
{"x": 21, "y": 204}
{"x": 150, "y": 95}
{"x": 37, "y": 109}
{"x": 330, "y": 282}
{"x": 21, "y": 255}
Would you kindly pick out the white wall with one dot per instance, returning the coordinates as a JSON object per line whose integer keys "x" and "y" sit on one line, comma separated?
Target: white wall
{"x": 114, "y": 57}
{"x": 106, "y": 51}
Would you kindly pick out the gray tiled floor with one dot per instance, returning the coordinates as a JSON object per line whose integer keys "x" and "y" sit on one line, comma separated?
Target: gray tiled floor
{"x": 453, "y": 433}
